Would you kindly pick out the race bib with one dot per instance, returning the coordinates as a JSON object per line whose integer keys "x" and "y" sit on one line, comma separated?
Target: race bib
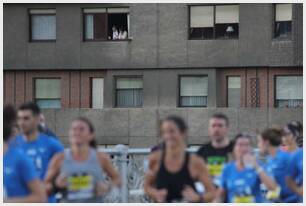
{"x": 215, "y": 170}
{"x": 244, "y": 199}
{"x": 80, "y": 182}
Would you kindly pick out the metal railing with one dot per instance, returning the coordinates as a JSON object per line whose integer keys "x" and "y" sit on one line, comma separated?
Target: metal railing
{"x": 132, "y": 164}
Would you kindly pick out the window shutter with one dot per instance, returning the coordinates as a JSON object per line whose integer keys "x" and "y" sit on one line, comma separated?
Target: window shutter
{"x": 201, "y": 16}
{"x": 283, "y": 12}
{"x": 227, "y": 14}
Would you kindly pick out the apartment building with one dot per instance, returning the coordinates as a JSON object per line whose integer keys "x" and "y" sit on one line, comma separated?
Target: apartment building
{"x": 170, "y": 56}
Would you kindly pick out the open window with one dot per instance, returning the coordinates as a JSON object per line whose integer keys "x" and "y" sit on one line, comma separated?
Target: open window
{"x": 106, "y": 24}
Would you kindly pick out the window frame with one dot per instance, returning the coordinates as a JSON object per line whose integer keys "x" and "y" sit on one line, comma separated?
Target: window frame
{"x": 115, "y": 88}
{"x": 129, "y": 38}
{"x": 91, "y": 90}
{"x": 228, "y": 76}
{"x": 45, "y": 78}
{"x": 214, "y": 27}
{"x": 179, "y": 90}
{"x": 275, "y": 84}
{"x": 274, "y": 37}
{"x": 30, "y": 25}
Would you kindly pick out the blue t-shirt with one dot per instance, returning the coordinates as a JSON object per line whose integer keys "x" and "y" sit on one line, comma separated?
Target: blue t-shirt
{"x": 279, "y": 165}
{"x": 41, "y": 150}
{"x": 241, "y": 185}
{"x": 18, "y": 171}
{"x": 295, "y": 170}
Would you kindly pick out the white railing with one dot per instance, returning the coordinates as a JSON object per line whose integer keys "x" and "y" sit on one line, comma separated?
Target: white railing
{"x": 132, "y": 164}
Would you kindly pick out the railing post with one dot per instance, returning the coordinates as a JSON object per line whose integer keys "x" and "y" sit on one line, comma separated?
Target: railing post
{"x": 123, "y": 169}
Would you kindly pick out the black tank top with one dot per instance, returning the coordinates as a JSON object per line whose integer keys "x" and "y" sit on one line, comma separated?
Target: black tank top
{"x": 174, "y": 182}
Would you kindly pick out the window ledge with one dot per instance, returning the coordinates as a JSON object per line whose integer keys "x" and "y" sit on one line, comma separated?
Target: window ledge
{"x": 237, "y": 38}
{"x": 108, "y": 40}
{"x": 43, "y": 41}
{"x": 278, "y": 39}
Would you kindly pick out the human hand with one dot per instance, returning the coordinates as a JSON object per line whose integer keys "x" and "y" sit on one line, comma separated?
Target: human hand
{"x": 190, "y": 194}
{"x": 61, "y": 181}
{"x": 160, "y": 195}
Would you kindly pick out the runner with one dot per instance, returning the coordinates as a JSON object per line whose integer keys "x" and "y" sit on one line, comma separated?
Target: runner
{"x": 81, "y": 168}
{"x": 241, "y": 178}
{"x": 295, "y": 174}
{"x": 173, "y": 171}
{"x": 218, "y": 151}
{"x": 292, "y": 135}
{"x": 39, "y": 147}
{"x": 21, "y": 183}
{"x": 277, "y": 162}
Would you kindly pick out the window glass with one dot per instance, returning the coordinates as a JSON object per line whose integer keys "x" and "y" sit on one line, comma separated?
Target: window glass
{"x": 283, "y": 20}
{"x": 48, "y": 93}
{"x": 233, "y": 91}
{"x": 193, "y": 91}
{"x": 129, "y": 92}
{"x": 289, "y": 91}
{"x": 97, "y": 93}
{"x": 43, "y": 24}
{"x": 219, "y": 21}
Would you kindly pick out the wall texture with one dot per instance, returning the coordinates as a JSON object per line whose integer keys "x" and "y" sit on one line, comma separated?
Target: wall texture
{"x": 140, "y": 127}
{"x": 160, "y": 40}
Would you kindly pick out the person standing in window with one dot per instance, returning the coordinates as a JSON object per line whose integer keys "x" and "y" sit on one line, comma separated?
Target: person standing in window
{"x": 218, "y": 151}
{"x": 20, "y": 180}
{"x": 173, "y": 171}
{"x": 115, "y": 34}
{"x": 241, "y": 178}
{"x": 122, "y": 33}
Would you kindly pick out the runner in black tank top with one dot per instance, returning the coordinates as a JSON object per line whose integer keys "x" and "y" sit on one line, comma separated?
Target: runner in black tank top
{"x": 172, "y": 171}
{"x": 169, "y": 180}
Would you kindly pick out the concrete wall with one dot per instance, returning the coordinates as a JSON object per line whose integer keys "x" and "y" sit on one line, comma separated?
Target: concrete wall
{"x": 160, "y": 40}
{"x": 140, "y": 127}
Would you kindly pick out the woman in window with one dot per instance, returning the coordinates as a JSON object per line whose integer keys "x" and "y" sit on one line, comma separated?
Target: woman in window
{"x": 173, "y": 172}
{"x": 81, "y": 169}
{"x": 241, "y": 178}
{"x": 21, "y": 183}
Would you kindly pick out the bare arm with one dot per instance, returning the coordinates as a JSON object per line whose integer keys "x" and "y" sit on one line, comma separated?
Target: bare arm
{"x": 204, "y": 177}
{"x": 108, "y": 167}
{"x": 294, "y": 187}
{"x": 53, "y": 170}
{"x": 220, "y": 195}
{"x": 37, "y": 194}
{"x": 150, "y": 177}
{"x": 265, "y": 179}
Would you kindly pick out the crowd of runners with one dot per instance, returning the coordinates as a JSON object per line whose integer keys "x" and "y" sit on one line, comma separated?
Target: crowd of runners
{"x": 36, "y": 166}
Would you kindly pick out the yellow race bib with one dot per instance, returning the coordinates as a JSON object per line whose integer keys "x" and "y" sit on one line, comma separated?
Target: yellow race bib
{"x": 244, "y": 199}
{"x": 79, "y": 182}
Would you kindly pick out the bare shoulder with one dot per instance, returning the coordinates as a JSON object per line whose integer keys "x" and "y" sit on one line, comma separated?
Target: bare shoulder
{"x": 154, "y": 159}
{"x": 103, "y": 157}
{"x": 196, "y": 161}
{"x": 59, "y": 157}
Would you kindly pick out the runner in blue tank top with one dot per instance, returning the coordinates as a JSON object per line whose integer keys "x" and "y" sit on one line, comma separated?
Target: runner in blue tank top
{"x": 20, "y": 180}
{"x": 277, "y": 161}
{"x": 39, "y": 147}
{"x": 241, "y": 179}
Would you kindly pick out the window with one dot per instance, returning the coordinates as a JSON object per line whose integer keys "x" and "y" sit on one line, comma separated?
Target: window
{"x": 214, "y": 22}
{"x": 233, "y": 91}
{"x": 193, "y": 91}
{"x": 129, "y": 92}
{"x": 289, "y": 91}
{"x": 43, "y": 24}
{"x": 48, "y": 93}
{"x": 283, "y": 20}
{"x": 106, "y": 24}
{"x": 97, "y": 93}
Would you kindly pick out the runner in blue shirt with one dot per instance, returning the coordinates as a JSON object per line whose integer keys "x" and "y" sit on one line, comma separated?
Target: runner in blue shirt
{"x": 39, "y": 147}
{"x": 241, "y": 178}
{"x": 277, "y": 161}
{"x": 295, "y": 174}
{"x": 20, "y": 180}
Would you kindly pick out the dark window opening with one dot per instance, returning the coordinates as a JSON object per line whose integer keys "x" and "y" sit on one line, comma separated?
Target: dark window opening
{"x": 283, "y": 20}
{"x": 283, "y": 29}
{"x": 227, "y": 31}
{"x": 106, "y": 24}
{"x": 202, "y": 33}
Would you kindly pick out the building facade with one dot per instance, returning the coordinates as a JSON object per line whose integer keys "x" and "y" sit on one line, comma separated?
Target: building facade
{"x": 164, "y": 56}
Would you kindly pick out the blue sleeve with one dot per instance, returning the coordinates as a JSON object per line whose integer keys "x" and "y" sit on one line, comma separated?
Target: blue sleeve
{"x": 292, "y": 169}
{"x": 223, "y": 177}
{"x": 56, "y": 146}
{"x": 27, "y": 169}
